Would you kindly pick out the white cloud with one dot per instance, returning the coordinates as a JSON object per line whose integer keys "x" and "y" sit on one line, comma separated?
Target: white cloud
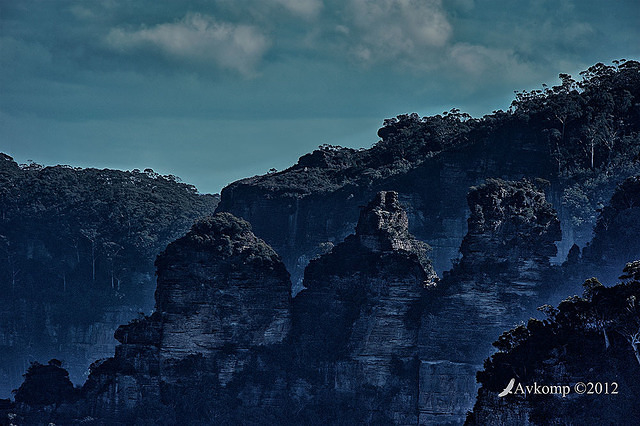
{"x": 397, "y": 29}
{"x": 472, "y": 65}
{"x": 199, "y": 38}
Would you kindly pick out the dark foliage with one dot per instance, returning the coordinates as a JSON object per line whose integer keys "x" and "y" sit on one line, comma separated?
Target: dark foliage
{"x": 593, "y": 338}
{"x": 618, "y": 226}
{"x": 84, "y": 237}
{"x": 46, "y": 385}
{"x": 504, "y": 214}
{"x": 225, "y": 235}
{"x": 589, "y": 129}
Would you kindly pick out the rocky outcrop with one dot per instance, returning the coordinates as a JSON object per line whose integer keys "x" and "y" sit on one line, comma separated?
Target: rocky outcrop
{"x": 221, "y": 293}
{"x": 315, "y": 203}
{"x": 226, "y": 343}
{"x": 374, "y": 338}
{"x": 220, "y": 285}
{"x": 432, "y": 161}
{"x": 499, "y": 281}
{"x": 356, "y": 323}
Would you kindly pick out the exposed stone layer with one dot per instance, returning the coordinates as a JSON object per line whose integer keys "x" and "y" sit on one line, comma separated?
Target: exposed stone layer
{"x": 372, "y": 339}
{"x": 499, "y": 281}
{"x": 357, "y": 320}
{"x": 221, "y": 292}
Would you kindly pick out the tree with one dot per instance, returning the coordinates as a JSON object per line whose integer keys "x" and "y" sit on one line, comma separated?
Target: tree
{"x": 597, "y": 316}
{"x": 91, "y": 234}
{"x": 46, "y": 385}
{"x": 629, "y": 324}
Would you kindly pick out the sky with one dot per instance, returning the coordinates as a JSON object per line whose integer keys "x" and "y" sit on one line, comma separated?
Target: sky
{"x": 214, "y": 91}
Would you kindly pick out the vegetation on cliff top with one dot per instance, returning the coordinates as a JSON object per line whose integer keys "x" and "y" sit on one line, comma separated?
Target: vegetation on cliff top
{"x": 588, "y": 128}
{"x": 225, "y": 236}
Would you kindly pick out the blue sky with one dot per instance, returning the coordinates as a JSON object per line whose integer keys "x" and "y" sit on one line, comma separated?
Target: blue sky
{"x": 213, "y": 91}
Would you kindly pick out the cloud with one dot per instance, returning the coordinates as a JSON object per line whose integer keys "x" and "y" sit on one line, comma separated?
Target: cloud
{"x": 383, "y": 30}
{"x": 475, "y": 65}
{"x": 304, "y": 8}
{"x": 476, "y": 60}
{"x": 198, "y": 38}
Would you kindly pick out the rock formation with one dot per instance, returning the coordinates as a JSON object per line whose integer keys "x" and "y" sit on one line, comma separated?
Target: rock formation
{"x": 499, "y": 281}
{"x": 221, "y": 293}
{"x": 374, "y": 338}
{"x": 317, "y": 202}
{"x": 356, "y": 323}
{"x": 223, "y": 347}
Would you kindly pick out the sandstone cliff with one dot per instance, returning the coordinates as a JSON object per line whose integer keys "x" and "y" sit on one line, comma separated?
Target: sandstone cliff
{"x": 221, "y": 293}
{"x": 356, "y": 323}
{"x": 499, "y": 281}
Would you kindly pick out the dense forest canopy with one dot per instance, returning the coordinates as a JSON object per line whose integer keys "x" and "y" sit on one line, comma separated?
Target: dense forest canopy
{"x": 77, "y": 248}
{"x": 589, "y": 124}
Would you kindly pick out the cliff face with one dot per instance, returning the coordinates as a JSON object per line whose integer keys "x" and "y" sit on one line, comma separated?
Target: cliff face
{"x": 227, "y": 344}
{"x": 304, "y": 215}
{"x": 356, "y": 323}
{"x": 221, "y": 293}
{"x": 615, "y": 238}
{"x": 220, "y": 285}
{"x": 432, "y": 161}
{"x": 349, "y": 349}
{"x": 499, "y": 281}
{"x": 373, "y": 338}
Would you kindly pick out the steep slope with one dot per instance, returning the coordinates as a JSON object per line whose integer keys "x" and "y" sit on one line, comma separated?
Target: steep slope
{"x": 374, "y": 338}
{"x": 222, "y": 310}
{"x": 356, "y": 323}
{"x": 226, "y": 344}
{"x": 76, "y": 258}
